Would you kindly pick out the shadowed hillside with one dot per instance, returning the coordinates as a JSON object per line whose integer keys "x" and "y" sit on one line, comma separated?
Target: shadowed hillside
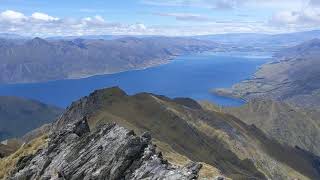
{"x": 19, "y": 116}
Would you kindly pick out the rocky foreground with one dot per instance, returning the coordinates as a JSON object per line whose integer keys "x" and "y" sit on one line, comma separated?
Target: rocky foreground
{"x": 110, "y": 152}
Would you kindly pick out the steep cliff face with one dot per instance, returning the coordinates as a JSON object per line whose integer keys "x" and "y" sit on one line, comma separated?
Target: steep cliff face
{"x": 109, "y": 152}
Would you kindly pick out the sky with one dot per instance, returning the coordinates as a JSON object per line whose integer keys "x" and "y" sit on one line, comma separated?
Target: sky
{"x": 156, "y": 17}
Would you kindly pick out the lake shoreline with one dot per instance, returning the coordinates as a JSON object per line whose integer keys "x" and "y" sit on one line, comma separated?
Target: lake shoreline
{"x": 190, "y": 76}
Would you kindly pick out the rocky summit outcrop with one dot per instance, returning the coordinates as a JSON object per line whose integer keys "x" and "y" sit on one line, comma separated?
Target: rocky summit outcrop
{"x": 109, "y": 152}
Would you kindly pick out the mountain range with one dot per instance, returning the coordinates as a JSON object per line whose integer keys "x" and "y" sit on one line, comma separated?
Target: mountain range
{"x": 38, "y": 59}
{"x": 292, "y": 77}
{"x": 25, "y": 60}
{"x": 262, "y": 42}
{"x": 12, "y": 36}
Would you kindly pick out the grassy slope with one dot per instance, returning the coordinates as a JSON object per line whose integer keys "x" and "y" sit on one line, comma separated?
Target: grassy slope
{"x": 9, "y": 146}
{"x": 217, "y": 139}
{"x": 7, "y": 163}
{"x": 287, "y": 124}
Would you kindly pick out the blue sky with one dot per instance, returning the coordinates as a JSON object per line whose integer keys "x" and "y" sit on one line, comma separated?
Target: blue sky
{"x": 157, "y": 17}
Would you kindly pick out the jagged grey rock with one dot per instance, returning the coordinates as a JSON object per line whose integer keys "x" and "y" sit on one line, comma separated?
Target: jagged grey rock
{"x": 110, "y": 152}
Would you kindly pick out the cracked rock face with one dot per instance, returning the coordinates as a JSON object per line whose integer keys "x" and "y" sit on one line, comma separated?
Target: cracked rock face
{"x": 110, "y": 152}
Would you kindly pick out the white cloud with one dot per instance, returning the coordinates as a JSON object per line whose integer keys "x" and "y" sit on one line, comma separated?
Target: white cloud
{"x": 138, "y": 26}
{"x": 88, "y": 10}
{"x": 229, "y": 4}
{"x": 306, "y": 17}
{"x": 185, "y": 16}
{"x": 224, "y": 5}
{"x": 216, "y": 28}
{"x": 43, "y": 17}
{"x": 314, "y": 3}
{"x": 212, "y": 4}
{"x": 41, "y": 24}
{"x": 10, "y": 16}
{"x": 286, "y": 19}
{"x": 94, "y": 21}
{"x": 99, "y": 19}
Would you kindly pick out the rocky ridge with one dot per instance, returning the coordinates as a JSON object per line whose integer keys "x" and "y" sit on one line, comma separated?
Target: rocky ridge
{"x": 225, "y": 145}
{"x": 238, "y": 150}
{"x": 109, "y": 152}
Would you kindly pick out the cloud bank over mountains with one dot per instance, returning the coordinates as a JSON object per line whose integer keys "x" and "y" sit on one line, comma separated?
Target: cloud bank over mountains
{"x": 41, "y": 24}
{"x": 293, "y": 14}
{"x": 307, "y": 16}
{"x": 197, "y": 17}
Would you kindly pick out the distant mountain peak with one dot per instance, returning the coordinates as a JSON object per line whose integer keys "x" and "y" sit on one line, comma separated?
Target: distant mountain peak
{"x": 309, "y": 48}
{"x": 313, "y": 42}
{"x": 109, "y": 92}
{"x": 129, "y": 39}
{"x": 38, "y": 41}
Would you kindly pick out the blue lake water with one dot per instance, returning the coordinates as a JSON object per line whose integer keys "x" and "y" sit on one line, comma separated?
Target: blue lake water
{"x": 187, "y": 76}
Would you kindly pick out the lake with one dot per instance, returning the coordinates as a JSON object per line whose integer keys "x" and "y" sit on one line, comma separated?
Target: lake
{"x": 187, "y": 76}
